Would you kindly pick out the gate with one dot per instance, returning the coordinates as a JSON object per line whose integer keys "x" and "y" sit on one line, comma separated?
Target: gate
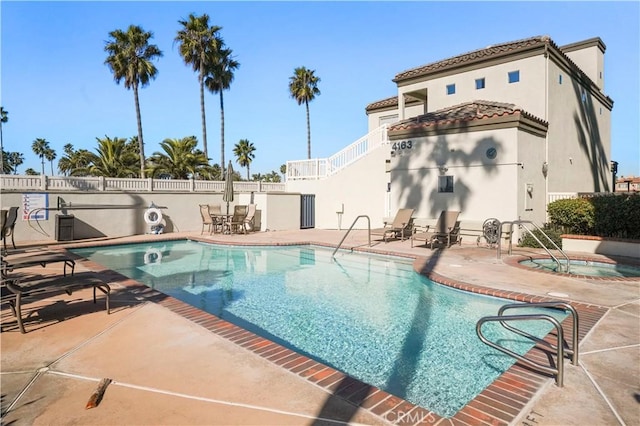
{"x": 307, "y": 211}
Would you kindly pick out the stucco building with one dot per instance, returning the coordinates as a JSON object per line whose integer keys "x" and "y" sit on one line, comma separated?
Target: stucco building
{"x": 497, "y": 132}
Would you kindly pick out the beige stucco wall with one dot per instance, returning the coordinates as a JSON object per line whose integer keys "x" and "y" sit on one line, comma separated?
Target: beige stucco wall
{"x": 483, "y": 188}
{"x": 531, "y": 154}
{"x": 579, "y": 137}
{"x": 360, "y": 188}
{"x": 528, "y": 93}
{"x": 100, "y": 214}
{"x": 591, "y": 62}
{"x": 373, "y": 118}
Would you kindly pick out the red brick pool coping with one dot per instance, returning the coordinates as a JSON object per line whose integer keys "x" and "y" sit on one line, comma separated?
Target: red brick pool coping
{"x": 500, "y": 403}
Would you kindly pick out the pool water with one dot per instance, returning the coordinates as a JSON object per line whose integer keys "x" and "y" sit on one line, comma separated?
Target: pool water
{"x": 371, "y": 317}
{"x": 588, "y": 268}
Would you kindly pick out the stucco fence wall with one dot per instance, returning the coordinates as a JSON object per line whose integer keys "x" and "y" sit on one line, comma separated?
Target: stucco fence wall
{"x": 600, "y": 245}
{"x": 104, "y": 214}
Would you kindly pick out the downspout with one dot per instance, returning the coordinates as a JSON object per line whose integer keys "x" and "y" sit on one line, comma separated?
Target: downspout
{"x": 546, "y": 136}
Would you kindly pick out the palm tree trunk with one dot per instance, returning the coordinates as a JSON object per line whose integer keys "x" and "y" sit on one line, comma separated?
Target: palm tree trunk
{"x": 308, "y": 132}
{"x": 140, "y": 140}
{"x": 1, "y": 151}
{"x": 204, "y": 120}
{"x": 247, "y": 172}
{"x": 42, "y": 158}
{"x": 51, "y": 167}
{"x": 221, "y": 133}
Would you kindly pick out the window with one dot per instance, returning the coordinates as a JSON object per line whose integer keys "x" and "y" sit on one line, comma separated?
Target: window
{"x": 479, "y": 83}
{"x": 560, "y": 79}
{"x": 445, "y": 183}
{"x": 514, "y": 76}
{"x": 451, "y": 89}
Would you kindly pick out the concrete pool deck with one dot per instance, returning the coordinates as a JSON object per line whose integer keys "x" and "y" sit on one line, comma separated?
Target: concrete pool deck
{"x": 167, "y": 366}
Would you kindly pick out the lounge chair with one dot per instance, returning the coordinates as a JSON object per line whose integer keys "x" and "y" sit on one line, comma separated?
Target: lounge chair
{"x": 445, "y": 231}
{"x": 402, "y": 226}
{"x": 14, "y": 291}
{"x": 43, "y": 259}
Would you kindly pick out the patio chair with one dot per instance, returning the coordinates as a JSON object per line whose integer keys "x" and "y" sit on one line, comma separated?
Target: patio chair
{"x": 42, "y": 259}
{"x": 14, "y": 291}
{"x": 8, "y": 226}
{"x": 215, "y": 212}
{"x": 249, "y": 219}
{"x": 207, "y": 220}
{"x": 446, "y": 230}
{"x": 401, "y": 226}
{"x": 236, "y": 222}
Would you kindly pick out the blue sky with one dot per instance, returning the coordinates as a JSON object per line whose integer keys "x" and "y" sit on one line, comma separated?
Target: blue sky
{"x": 54, "y": 83}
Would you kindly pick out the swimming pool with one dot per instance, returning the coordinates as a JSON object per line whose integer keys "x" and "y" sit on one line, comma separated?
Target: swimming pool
{"x": 586, "y": 268}
{"x": 370, "y": 316}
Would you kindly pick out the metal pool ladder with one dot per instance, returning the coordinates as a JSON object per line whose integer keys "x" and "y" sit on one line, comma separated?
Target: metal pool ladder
{"x": 523, "y": 223}
{"x": 559, "y": 349}
{"x": 349, "y": 230}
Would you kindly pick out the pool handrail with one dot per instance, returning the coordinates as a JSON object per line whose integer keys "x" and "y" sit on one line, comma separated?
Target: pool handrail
{"x": 349, "y": 230}
{"x": 558, "y": 371}
{"x": 524, "y": 223}
{"x": 573, "y": 350}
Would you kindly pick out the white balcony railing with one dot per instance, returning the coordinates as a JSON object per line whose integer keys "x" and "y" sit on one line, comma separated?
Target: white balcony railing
{"x": 19, "y": 183}
{"x": 323, "y": 167}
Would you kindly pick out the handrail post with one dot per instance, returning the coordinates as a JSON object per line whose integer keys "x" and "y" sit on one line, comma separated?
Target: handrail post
{"x": 349, "y": 230}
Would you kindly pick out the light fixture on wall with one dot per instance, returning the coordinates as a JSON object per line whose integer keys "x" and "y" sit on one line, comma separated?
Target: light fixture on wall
{"x": 545, "y": 168}
{"x": 443, "y": 169}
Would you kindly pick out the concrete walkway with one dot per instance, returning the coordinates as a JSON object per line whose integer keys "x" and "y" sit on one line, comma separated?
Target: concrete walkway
{"x": 167, "y": 369}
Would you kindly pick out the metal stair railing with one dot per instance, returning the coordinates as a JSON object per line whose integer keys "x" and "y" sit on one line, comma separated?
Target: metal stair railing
{"x": 559, "y": 349}
{"x": 523, "y": 224}
{"x": 349, "y": 230}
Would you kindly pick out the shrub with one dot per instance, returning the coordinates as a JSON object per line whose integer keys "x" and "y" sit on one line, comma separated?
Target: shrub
{"x": 529, "y": 241}
{"x": 617, "y": 216}
{"x": 573, "y": 216}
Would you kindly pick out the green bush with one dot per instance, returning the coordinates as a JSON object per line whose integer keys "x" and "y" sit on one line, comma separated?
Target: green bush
{"x": 617, "y": 216}
{"x": 611, "y": 215}
{"x": 529, "y": 241}
{"x": 572, "y": 216}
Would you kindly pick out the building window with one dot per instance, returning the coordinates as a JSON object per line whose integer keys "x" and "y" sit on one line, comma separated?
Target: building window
{"x": 451, "y": 89}
{"x": 479, "y": 83}
{"x": 514, "y": 76}
{"x": 445, "y": 183}
{"x": 560, "y": 79}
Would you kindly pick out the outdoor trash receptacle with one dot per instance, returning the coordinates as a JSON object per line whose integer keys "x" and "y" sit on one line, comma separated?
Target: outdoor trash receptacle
{"x": 64, "y": 227}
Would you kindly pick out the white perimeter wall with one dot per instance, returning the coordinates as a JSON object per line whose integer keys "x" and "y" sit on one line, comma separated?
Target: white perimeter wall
{"x": 360, "y": 188}
{"x": 122, "y": 214}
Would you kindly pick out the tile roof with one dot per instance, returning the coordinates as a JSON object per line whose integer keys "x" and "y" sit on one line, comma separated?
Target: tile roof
{"x": 389, "y": 102}
{"x": 468, "y": 111}
{"x": 476, "y": 55}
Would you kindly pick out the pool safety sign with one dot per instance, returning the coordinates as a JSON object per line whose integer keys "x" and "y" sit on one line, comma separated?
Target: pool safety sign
{"x": 34, "y": 206}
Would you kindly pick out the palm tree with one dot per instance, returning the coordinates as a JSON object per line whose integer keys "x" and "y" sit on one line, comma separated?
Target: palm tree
{"x": 243, "y": 151}
{"x": 15, "y": 159}
{"x": 4, "y": 117}
{"x": 219, "y": 78}
{"x": 75, "y": 163}
{"x": 30, "y": 172}
{"x": 40, "y": 147}
{"x": 283, "y": 170}
{"x": 198, "y": 44}
{"x": 130, "y": 56}
{"x": 180, "y": 159}
{"x": 50, "y": 155}
{"x": 303, "y": 87}
{"x": 114, "y": 159}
